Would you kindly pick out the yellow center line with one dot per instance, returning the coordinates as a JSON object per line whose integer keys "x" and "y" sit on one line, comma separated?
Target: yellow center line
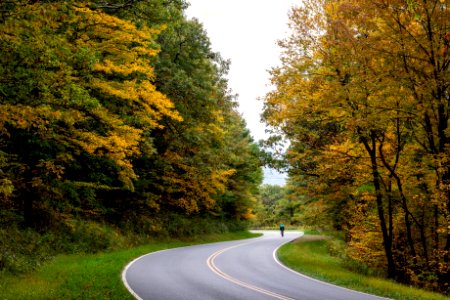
{"x": 222, "y": 274}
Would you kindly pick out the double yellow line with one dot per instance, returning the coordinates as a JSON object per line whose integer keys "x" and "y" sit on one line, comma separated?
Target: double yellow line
{"x": 222, "y": 274}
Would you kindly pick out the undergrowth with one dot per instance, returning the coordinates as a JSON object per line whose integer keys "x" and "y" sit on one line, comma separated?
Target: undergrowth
{"x": 324, "y": 258}
{"x": 24, "y": 249}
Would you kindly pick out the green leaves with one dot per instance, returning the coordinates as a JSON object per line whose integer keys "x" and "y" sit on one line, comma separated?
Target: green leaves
{"x": 117, "y": 112}
{"x": 360, "y": 95}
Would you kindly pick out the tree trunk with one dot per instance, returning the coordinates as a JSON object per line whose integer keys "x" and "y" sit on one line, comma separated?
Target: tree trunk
{"x": 407, "y": 213}
{"x": 387, "y": 238}
{"x": 445, "y": 278}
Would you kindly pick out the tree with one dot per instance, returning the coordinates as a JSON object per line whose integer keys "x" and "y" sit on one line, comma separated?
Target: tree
{"x": 117, "y": 114}
{"x": 76, "y": 83}
{"x": 363, "y": 97}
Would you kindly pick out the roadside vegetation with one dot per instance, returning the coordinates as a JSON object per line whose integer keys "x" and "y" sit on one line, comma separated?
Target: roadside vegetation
{"x": 324, "y": 258}
{"x": 363, "y": 97}
{"x": 24, "y": 250}
{"x": 91, "y": 276}
{"x": 117, "y": 128}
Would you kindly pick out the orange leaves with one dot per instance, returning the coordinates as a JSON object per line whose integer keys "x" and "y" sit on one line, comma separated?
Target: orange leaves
{"x": 88, "y": 71}
{"x": 142, "y": 100}
{"x": 87, "y": 129}
{"x": 108, "y": 67}
{"x": 219, "y": 179}
{"x": 363, "y": 97}
{"x": 125, "y": 52}
{"x": 6, "y": 188}
{"x": 199, "y": 187}
{"x": 50, "y": 169}
{"x": 34, "y": 118}
{"x": 113, "y": 35}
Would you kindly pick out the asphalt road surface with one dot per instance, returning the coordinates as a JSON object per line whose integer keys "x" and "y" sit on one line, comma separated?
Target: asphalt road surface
{"x": 245, "y": 269}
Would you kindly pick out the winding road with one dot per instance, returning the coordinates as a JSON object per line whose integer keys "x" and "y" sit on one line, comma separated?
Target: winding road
{"x": 245, "y": 269}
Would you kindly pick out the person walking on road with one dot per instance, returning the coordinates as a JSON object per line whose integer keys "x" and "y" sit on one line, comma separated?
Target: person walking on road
{"x": 282, "y": 229}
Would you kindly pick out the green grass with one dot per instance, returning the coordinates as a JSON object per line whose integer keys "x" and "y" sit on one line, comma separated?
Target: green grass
{"x": 311, "y": 257}
{"x": 96, "y": 276}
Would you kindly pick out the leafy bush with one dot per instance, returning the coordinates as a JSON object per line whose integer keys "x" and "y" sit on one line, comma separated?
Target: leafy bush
{"x": 177, "y": 225}
{"x": 23, "y": 250}
{"x": 336, "y": 248}
{"x": 91, "y": 237}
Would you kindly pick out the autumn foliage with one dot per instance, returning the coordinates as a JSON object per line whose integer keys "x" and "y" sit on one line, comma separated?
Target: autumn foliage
{"x": 117, "y": 113}
{"x": 363, "y": 97}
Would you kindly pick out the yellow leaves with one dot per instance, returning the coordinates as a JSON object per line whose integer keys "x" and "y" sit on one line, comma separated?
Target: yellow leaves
{"x": 19, "y": 116}
{"x": 192, "y": 187}
{"x": 37, "y": 182}
{"x": 364, "y": 105}
{"x": 115, "y": 146}
{"x": 118, "y": 147}
{"x": 36, "y": 118}
{"x": 345, "y": 148}
{"x": 215, "y": 130}
{"x": 365, "y": 237}
{"x": 127, "y": 52}
{"x": 121, "y": 143}
{"x": 6, "y": 187}
{"x": 50, "y": 169}
{"x": 367, "y": 197}
{"x": 116, "y": 34}
{"x": 156, "y": 103}
{"x": 141, "y": 99}
{"x": 120, "y": 90}
{"x": 219, "y": 179}
{"x": 92, "y": 74}
{"x": 248, "y": 215}
{"x": 121, "y": 50}
{"x": 108, "y": 67}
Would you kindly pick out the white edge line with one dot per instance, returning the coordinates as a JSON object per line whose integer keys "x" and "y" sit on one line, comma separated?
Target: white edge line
{"x": 125, "y": 269}
{"x": 124, "y": 273}
{"x": 275, "y": 257}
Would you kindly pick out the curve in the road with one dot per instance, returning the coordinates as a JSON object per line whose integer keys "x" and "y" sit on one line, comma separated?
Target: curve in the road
{"x": 125, "y": 270}
{"x": 224, "y": 275}
{"x": 244, "y": 269}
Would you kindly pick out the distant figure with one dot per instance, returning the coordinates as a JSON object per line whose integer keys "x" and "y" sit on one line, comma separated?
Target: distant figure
{"x": 282, "y": 229}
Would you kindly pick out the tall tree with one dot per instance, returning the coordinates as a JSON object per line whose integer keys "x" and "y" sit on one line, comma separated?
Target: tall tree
{"x": 75, "y": 89}
{"x": 363, "y": 96}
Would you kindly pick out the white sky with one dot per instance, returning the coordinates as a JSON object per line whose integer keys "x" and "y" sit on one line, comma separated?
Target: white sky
{"x": 246, "y": 31}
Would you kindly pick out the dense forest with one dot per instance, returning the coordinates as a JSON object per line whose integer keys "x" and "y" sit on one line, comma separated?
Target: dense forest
{"x": 363, "y": 97}
{"x": 116, "y": 123}
{"x": 117, "y": 126}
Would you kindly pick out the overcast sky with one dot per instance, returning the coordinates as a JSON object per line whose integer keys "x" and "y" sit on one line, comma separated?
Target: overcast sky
{"x": 246, "y": 31}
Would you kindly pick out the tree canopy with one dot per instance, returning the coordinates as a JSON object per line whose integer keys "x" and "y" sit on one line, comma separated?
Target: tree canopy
{"x": 118, "y": 112}
{"x": 363, "y": 96}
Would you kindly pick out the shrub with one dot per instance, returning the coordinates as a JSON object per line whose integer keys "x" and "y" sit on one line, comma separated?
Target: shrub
{"x": 23, "y": 250}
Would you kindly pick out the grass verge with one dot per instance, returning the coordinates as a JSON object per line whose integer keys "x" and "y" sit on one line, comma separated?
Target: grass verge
{"x": 95, "y": 276}
{"x": 310, "y": 256}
